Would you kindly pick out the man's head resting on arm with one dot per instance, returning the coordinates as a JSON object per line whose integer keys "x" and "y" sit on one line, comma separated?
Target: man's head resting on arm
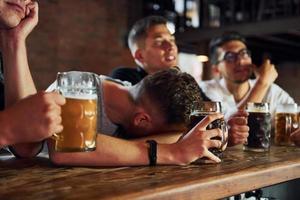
{"x": 167, "y": 97}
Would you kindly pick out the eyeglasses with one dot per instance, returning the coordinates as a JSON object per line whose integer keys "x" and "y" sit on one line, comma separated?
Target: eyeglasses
{"x": 232, "y": 57}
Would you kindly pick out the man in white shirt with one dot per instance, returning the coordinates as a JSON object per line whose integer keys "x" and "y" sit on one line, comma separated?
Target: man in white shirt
{"x": 232, "y": 60}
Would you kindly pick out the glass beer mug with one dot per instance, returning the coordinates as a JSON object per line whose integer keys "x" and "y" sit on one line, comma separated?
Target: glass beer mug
{"x": 286, "y": 122}
{"x": 79, "y": 114}
{"x": 201, "y": 110}
{"x": 259, "y": 122}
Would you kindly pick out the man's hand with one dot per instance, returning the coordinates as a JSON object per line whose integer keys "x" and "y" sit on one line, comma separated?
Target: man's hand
{"x": 27, "y": 24}
{"x": 238, "y": 128}
{"x": 197, "y": 141}
{"x": 295, "y": 137}
{"x": 266, "y": 74}
{"x": 34, "y": 118}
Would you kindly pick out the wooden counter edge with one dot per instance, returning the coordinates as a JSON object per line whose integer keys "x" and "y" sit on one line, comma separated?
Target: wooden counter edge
{"x": 223, "y": 186}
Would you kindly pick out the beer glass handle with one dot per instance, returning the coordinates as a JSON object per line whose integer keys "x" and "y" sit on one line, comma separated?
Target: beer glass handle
{"x": 288, "y": 124}
{"x": 225, "y": 135}
{"x": 54, "y": 136}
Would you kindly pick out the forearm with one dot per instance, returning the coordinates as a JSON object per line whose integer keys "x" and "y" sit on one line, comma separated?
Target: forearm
{"x": 113, "y": 152}
{"x": 165, "y": 138}
{"x": 18, "y": 79}
{"x": 256, "y": 94}
{"x": 109, "y": 152}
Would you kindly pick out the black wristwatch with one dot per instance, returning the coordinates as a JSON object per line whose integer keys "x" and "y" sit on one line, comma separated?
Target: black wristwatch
{"x": 152, "y": 152}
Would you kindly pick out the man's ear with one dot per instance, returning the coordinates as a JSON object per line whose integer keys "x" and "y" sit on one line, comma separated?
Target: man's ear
{"x": 138, "y": 55}
{"x": 215, "y": 71}
{"x": 142, "y": 120}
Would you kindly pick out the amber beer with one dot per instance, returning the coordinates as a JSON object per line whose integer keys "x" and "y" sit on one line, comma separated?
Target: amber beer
{"x": 79, "y": 119}
{"x": 79, "y": 114}
{"x": 259, "y": 122}
{"x": 207, "y": 108}
{"x": 286, "y": 122}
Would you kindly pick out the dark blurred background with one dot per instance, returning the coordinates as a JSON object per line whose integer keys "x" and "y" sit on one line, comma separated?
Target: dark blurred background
{"x": 90, "y": 35}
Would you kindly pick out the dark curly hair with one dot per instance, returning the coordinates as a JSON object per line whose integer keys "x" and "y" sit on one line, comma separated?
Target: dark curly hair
{"x": 173, "y": 92}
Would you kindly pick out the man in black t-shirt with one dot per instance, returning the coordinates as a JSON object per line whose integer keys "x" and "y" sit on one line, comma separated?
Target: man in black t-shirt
{"x": 153, "y": 48}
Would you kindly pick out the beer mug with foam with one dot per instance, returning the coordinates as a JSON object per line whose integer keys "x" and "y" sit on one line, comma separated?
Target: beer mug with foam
{"x": 286, "y": 122}
{"x": 79, "y": 114}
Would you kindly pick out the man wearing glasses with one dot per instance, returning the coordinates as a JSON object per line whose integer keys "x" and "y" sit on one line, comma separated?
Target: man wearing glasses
{"x": 230, "y": 57}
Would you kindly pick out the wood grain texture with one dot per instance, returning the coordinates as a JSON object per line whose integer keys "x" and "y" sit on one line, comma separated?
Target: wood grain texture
{"x": 239, "y": 172}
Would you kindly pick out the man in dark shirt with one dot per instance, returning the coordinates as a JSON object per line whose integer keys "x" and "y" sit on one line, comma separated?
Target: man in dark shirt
{"x": 132, "y": 75}
{"x": 153, "y": 48}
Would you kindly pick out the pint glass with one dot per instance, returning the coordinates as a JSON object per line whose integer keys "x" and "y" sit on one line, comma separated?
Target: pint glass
{"x": 286, "y": 122}
{"x": 259, "y": 122}
{"x": 201, "y": 110}
{"x": 79, "y": 114}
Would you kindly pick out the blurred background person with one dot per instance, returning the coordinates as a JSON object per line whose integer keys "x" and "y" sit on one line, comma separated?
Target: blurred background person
{"x": 231, "y": 58}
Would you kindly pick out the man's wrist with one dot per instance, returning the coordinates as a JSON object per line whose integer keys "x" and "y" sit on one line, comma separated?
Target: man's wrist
{"x": 167, "y": 154}
{"x": 262, "y": 82}
{"x": 13, "y": 44}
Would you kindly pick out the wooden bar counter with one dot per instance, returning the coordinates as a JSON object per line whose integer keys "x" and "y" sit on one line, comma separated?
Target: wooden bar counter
{"x": 239, "y": 172}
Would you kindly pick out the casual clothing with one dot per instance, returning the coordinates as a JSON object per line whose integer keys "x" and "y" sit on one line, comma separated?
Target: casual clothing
{"x": 135, "y": 75}
{"x": 216, "y": 90}
{"x": 132, "y": 75}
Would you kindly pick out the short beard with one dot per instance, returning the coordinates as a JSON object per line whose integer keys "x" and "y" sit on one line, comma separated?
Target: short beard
{"x": 244, "y": 80}
{"x": 240, "y": 81}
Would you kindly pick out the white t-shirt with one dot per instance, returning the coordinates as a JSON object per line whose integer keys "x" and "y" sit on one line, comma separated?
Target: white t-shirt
{"x": 216, "y": 90}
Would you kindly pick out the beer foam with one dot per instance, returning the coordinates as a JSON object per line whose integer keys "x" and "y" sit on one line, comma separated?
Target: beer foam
{"x": 257, "y": 110}
{"x": 81, "y": 96}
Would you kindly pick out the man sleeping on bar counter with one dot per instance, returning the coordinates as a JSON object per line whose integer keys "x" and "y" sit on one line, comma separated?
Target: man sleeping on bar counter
{"x": 161, "y": 103}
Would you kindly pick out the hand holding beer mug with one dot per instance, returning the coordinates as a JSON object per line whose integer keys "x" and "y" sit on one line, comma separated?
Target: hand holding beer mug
{"x": 259, "y": 121}
{"x": 201, "y": 110}
{"x": 286, "y": 122}
{"x": 79, "y": 114}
